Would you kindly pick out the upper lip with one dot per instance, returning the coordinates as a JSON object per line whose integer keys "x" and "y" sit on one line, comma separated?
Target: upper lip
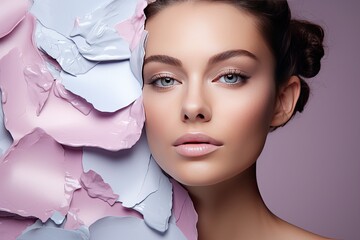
{"x": 196, "y": 138}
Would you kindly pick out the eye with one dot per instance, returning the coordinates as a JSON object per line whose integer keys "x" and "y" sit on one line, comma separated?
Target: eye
{"x": 233, "y": 78}
{"x": 164, "y": 82}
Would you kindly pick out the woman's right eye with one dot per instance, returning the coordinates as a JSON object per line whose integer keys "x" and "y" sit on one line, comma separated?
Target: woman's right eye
{"x": 164, "y": 82}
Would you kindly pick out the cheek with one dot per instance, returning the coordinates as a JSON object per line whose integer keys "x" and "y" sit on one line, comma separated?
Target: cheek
{"x": 160, "y": 116}
{"x": 248, "y": 120}
{"x": 251, "y": 113}
{"x": 153, "y": 115}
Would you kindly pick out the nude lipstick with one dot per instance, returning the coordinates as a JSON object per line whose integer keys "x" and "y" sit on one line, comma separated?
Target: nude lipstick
{"x": 196, "y": 145}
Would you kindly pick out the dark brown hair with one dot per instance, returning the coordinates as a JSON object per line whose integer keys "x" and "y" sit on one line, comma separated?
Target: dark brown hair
{"x": 297, "y": 45}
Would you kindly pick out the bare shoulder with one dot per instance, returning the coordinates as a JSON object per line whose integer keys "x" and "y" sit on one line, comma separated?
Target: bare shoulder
{"x": 286, "y": 230}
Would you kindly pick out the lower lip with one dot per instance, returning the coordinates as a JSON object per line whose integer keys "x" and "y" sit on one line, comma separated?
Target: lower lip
{"x": 195, "y": 150}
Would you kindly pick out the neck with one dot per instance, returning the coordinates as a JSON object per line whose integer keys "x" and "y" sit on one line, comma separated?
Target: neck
{"x": 232, "y": 209}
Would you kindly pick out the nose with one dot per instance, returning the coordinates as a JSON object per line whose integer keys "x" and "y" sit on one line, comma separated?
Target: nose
{"x": 195, "y": 107}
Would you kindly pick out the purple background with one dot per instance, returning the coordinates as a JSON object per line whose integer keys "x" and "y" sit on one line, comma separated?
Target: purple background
{"x": 309, "y": 172}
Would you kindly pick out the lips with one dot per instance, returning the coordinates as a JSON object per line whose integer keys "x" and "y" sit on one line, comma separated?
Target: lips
{"x": 196, "y": 138}
{"x": 196, "y": 145}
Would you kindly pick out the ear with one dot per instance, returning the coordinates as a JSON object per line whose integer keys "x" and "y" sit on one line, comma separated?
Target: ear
{"x": 287, "y": 98}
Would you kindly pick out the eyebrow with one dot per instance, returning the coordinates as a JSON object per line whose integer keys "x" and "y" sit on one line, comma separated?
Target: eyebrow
{"x": 230, "y": 54}
{"x": 164, "y": 59}
{"x": 213, "y": 60}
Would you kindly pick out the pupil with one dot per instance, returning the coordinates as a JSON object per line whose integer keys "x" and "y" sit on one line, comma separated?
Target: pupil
{"x": 166, "y": 81}
{"x": 230, "y": 76}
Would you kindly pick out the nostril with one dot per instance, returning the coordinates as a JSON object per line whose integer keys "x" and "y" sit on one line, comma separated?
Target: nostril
{"x": 201, "y": 116}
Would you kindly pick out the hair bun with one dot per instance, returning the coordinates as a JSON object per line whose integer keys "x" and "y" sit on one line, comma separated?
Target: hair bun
{"x": 307, "y": 47}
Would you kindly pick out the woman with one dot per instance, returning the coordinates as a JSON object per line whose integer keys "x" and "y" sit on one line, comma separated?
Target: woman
{"x": 218, "y": 77}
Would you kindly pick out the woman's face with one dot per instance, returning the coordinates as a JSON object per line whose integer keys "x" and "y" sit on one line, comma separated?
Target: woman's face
{"x": 209, "y": 94}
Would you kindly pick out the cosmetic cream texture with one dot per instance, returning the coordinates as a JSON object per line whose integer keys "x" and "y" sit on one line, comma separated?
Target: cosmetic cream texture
{"x": 74, "y": 161}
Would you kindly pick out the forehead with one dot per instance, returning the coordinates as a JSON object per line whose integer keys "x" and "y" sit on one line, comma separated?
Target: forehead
{"x": 203, "y": 28}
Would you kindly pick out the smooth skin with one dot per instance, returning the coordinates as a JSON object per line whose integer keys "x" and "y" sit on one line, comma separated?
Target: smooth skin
{"x": 203, "y": 74}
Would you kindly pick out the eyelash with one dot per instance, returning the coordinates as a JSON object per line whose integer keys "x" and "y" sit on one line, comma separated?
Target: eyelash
{"x": 234, "y": 73}
{"x": 155, "y": 80}
{"x": 230, "y": 72}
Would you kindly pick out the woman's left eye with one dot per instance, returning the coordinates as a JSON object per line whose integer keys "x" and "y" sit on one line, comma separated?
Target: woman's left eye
{"x": 232, "y": 78}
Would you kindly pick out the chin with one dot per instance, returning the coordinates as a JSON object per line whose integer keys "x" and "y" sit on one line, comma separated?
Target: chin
{"x": 202, "y": 174}
{"x": 203, "y": 179}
